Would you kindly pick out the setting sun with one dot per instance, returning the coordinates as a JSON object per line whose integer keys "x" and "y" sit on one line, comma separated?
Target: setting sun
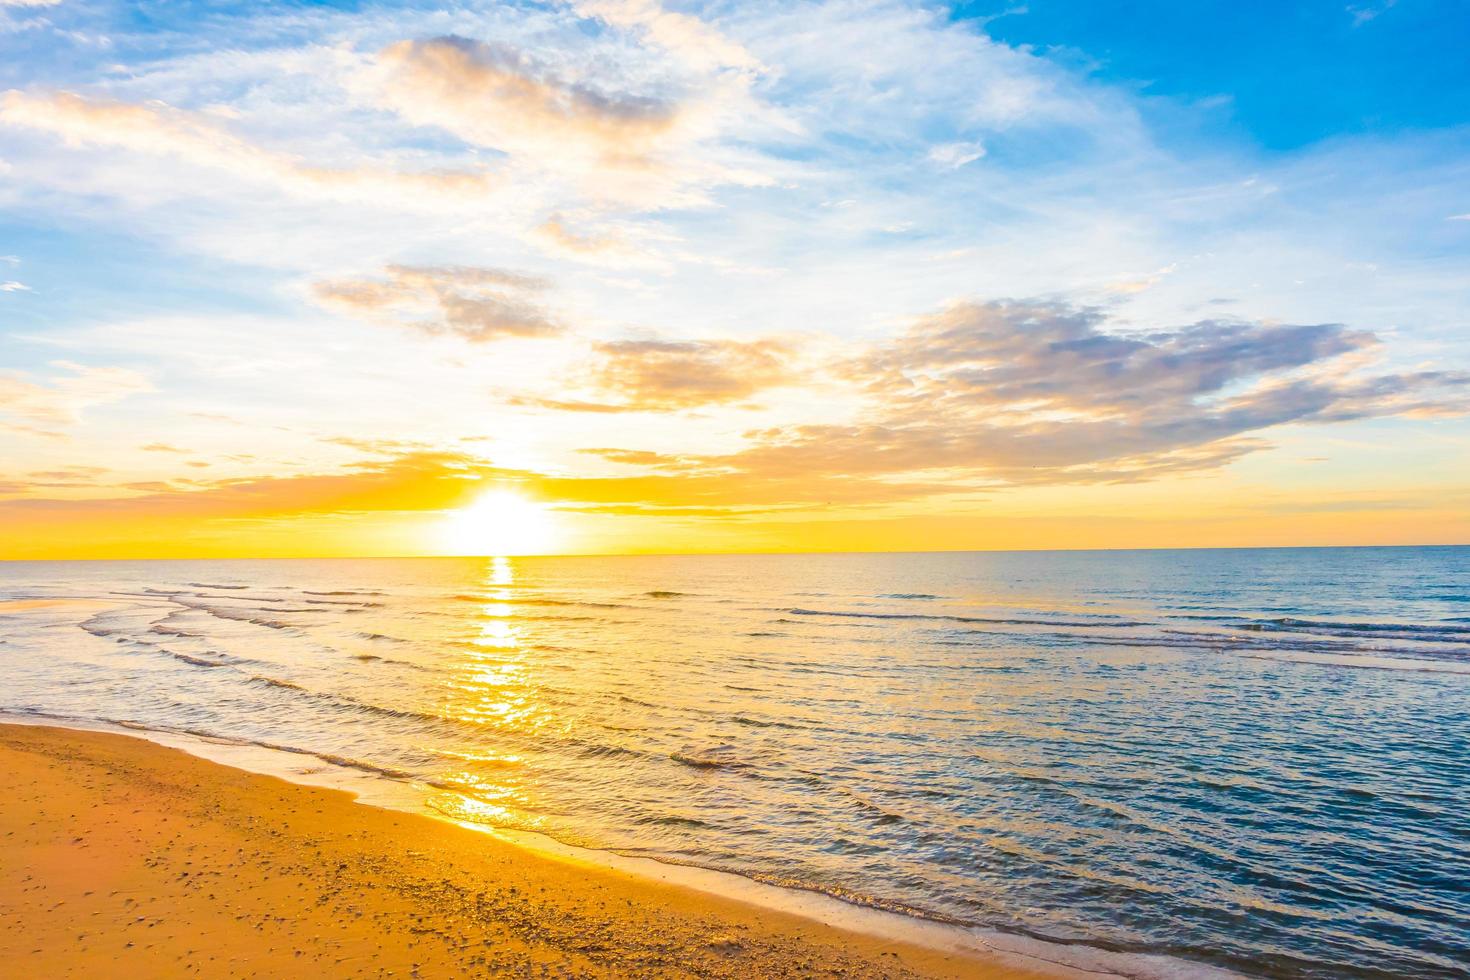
{"x": 500, "y": 522}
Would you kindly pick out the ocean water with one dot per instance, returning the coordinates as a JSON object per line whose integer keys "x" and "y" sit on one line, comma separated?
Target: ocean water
{"x": 1257, "y": 760}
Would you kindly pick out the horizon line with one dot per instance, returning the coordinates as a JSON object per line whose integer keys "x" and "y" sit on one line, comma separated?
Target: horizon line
{"x": 749, "y": 554}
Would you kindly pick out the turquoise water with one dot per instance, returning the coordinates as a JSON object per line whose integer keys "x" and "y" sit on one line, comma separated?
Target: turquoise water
{"x": 1256, "y": 759}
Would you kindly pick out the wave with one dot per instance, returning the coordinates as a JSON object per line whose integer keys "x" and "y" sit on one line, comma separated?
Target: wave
{"x": 182, "y": 634}
{"x": 374, "y": 658}
{"x": 879, "y": 813}
{"x": 664, "y": 594}
{"x": 758, "y": 723}
{"x": 276, "y": 682}
{"x": 671, "y": 820}
{"x": 909, "y": 595}
{"x": 489, "y": 760}
{"x": 604, "y": 750}
{"x": 1437, "y": 633}
{"x": 940, "y": 617}
{"x": 232, "y": 598}
{"x": 371, "y": 592}
{"x": 585, "y": 604}
{"x": 237, "y": 615}
{"x": 714, "y": 758}
{"x": 195, "y": 661}
{"x": 211, "y": 585}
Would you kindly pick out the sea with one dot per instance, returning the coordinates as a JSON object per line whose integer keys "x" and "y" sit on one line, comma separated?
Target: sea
{"x": 1252, "y": 761}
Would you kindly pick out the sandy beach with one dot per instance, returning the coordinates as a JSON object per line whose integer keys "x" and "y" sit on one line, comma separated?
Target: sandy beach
{"x": 122, "y": 857}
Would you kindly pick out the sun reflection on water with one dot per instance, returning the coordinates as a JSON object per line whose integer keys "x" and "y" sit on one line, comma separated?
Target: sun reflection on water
{"x": 492, "y": 683}
{"x": 491, "y": 687}
{"x": 501, "y": 572}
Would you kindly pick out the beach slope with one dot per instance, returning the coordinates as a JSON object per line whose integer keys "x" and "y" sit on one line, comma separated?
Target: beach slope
{"x": 125, "y": 858}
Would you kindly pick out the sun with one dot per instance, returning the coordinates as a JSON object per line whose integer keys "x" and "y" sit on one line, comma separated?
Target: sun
{"x": 500, "y": 522}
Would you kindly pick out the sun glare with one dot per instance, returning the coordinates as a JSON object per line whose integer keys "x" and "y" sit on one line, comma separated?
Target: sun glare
{"x": 501, "y": 522}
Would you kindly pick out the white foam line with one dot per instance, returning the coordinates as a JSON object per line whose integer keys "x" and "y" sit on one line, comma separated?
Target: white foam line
{"x": 1365, "y": 662}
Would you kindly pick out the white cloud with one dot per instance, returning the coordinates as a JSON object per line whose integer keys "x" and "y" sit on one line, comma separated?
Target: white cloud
{"x": 1363, "y": 13}
{"x": 161, "y": 130}
{"x": 684, "y": 35}
{"x": 952, "y": 156}
{"x": 61, "y": 399}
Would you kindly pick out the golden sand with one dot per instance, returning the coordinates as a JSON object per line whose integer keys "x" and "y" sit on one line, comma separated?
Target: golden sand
{"x": 124, "y": 858}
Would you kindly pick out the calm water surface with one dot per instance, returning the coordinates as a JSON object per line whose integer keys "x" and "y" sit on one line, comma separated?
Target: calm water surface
{"x": 1256, "y": 759}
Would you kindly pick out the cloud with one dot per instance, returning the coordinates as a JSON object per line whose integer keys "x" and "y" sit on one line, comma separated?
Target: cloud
{"x": 476, "y": 304}
{"x": 63, "y": 399}
{"x": 654, "y": 375}
{"x": 554, "y": 232}
{"x": 29, "y": 3}
{"x": 655, "y": 148}
{"x": 686, "y": 36}
{"x": 1012, "y": 393}
{"x": 157, "y": 129}
{"x": 1363, "y": 13}
{"x": 1050, "y": 355}
{"x": 68, "y": 477}
{"x": 14, "y": 287}
{"x": 1143, "y": 283}
{"x": 494, "y": 95}
{"x": 604, "y": 245}
{"x": 952, "y": 156}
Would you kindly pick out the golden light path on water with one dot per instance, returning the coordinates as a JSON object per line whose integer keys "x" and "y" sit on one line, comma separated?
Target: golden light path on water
{"x": 494, "y": 690}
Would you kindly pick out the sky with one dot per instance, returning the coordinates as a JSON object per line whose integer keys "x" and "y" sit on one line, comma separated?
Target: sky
{"x": 616, "y": 276}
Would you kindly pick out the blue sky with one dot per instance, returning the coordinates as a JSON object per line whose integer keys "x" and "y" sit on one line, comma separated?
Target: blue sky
{"x": 619, "y": 239}
{"x": 1286, "y": 74}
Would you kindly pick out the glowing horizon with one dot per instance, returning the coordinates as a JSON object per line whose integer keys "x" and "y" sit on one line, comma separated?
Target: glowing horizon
{"x": 700, "y": 278}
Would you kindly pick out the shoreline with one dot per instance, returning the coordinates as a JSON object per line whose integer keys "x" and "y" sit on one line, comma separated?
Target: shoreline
{"x": 369, "y": 788}
{"x": 88, "y": 811}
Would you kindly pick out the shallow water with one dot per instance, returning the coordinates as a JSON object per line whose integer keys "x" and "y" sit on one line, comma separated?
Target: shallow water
{"x": 1254, "y": 759}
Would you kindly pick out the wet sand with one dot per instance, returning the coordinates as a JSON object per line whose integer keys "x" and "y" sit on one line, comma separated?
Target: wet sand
{"x": 119, "y": 857}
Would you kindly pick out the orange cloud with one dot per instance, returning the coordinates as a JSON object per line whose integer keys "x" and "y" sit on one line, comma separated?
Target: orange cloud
{"x": 607, "y": 247}
{"x": 675, "y": 375}
{"x": 494, "y": 95}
